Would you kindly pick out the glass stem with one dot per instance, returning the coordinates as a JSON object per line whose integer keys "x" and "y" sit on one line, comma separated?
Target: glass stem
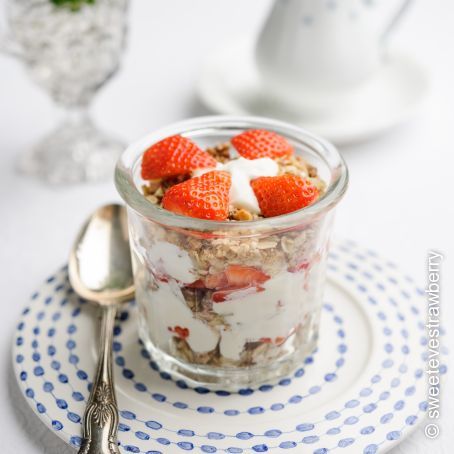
{"x": 75, "y": 115}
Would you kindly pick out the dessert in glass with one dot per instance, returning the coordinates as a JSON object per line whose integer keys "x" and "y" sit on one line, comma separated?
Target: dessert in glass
{"x": 229, "y": 223}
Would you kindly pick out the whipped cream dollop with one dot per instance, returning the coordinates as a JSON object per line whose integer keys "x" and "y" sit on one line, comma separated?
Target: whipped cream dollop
{"x": 168, "y": 309}
{"x": 242, "y": 172}
{"x": 172, "y": 261}
{"x": 280, "y": 306}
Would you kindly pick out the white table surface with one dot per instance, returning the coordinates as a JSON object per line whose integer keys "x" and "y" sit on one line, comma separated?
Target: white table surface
{"x": 399, "y": 202}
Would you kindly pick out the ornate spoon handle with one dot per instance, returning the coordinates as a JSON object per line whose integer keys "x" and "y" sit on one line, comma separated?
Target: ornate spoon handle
{"x": 100, "y": 424}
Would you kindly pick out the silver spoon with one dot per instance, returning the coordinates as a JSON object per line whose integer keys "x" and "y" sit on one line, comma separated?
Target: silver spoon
{"x": 100, "y": 271}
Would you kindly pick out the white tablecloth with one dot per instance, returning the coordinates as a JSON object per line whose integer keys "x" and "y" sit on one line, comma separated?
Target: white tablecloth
{"x": 399, "y": 202}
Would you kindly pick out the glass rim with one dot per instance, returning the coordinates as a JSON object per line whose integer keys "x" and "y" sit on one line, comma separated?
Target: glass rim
{"x": 133, "y": 197}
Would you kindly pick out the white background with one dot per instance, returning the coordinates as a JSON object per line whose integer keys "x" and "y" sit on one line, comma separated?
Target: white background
{"x": 400, "y": 201}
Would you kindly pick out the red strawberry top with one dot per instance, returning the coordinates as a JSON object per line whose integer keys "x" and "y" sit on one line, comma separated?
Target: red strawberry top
{"x": 172, "y": 157}
{"x": 209, "y": 196}
{"x": 259, "y": 143}
{"x": 283, "y": 194}
{"x": 204, "y": 197}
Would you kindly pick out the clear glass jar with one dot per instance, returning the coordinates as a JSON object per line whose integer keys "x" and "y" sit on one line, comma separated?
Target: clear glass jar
{"x": 260, "y": 331}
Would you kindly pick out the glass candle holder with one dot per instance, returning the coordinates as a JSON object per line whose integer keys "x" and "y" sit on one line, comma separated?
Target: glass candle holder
{"x": 71, "y": 48}
{"x": 254, "y": 334}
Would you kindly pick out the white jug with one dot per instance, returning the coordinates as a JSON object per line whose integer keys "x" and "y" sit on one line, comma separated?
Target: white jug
{"x": 313, "y": 53}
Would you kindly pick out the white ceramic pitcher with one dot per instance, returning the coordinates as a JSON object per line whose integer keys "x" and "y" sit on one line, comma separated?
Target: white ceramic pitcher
{"x": 312, "y": 53}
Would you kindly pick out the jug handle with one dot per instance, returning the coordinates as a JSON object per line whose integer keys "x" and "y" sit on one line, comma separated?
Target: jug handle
{"x": 396, "y": 18}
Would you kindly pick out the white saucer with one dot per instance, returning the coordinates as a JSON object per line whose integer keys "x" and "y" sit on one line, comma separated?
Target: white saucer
{"x": 230, "y": 84}
{"x": 361, "y": 392}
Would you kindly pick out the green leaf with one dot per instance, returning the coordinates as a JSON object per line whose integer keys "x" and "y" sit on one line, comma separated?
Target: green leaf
{"x": 73, "y": 5}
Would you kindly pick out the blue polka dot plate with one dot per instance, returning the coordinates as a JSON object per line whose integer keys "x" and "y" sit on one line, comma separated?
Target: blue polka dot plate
{"x": 361, "y": 391}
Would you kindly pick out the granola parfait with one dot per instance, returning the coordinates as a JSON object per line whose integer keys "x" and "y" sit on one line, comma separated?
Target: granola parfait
{"x": 229, "y": 226}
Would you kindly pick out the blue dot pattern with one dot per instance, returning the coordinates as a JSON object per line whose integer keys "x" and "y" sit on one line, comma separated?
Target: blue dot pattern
{"x": 54, "y": 375}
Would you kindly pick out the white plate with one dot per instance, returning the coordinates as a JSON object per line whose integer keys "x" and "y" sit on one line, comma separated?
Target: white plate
{"x": 230, "y": 84}
{"x": 364, "y": 389}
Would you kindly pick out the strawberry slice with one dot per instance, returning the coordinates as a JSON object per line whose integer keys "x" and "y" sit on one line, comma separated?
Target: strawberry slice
{"x": 302, "y": 266}
{"x": 216, "y": 281}
{"x": 203, "y": 197}
{"x": 259, "y": 143}
{"x": 306, "y": 264}
{"x": 233, "y": 279}
{"x": 283, "y": 194}
{"x": 174, "y": 156}
{"x": 279, "y": 340}
{"x": 182, "y": 333}
{"x": 212, "y": 281}
{"x": 223, "y": 295}
{"x": 239, "y": 276}
{"x": 196, "y": 284}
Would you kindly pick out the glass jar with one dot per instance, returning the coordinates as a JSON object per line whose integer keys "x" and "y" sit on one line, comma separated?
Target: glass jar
{"x": 260, "y": 331}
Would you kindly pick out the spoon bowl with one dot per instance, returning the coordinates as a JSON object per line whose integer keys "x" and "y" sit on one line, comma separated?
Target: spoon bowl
{"x": 100, "y": 267}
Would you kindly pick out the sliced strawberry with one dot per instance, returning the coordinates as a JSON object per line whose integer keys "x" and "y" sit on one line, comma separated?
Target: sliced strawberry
{"x": 235, "y": 278}
{"x": 279, "y": 340}
{"x": 221, "y": 295}
{"x": 239, "y": 276}
{"x": 283, "y": 194}
{"x": 174, "y": 156}
{"x": 204, "y": 197}
{"x": 230, "y": 294}
{"x": 304, "y": 265}
{"x": 182, "y": 333}
{"x": 237, "y": 281}
{"x": 159, "y": 272}
{"x": 259, "y": 143}
{"x": 162, "y": 278}
{"x": 199, "y": 283}
{"x": 212, "y": 281}
{"x": 216, "y": 281}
